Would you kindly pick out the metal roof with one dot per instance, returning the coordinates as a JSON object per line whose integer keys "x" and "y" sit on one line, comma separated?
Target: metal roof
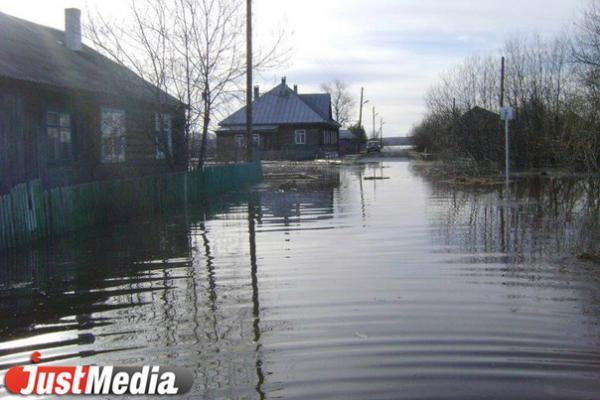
{"x": 281, "y": 105}
{"x": 320, "y": 102}
{"x": 35, "y": 53}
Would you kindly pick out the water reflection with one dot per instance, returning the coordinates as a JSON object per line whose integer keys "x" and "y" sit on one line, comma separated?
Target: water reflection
{"x": 399, "y": 288}
{"x": 538, "y": 218}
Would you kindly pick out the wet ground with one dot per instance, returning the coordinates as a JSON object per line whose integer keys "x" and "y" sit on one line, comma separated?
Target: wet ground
{"x": 378, "y": 289}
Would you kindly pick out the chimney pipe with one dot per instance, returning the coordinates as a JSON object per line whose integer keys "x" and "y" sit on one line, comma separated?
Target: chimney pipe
{"x": 256, "y": 92}
{"x": 73, "y": 29}
{"x": 296, "y": 89}
{"x": 283, "y": 80}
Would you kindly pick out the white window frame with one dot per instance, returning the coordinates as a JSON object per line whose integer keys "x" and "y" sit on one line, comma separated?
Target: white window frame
{"x": 300, "y": 136}
{"x": 118, "y": 133}
{"x": 256, "y": 139}
{"x": 240, "y": 141}
{"x": 167, "y": 131}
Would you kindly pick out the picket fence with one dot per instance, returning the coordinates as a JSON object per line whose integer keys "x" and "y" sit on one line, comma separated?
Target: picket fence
{"x": 29, "y": 213}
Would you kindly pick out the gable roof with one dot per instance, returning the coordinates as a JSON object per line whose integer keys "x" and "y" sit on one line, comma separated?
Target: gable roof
{"x": 35, "y": 53}
{"x": 282, "y": 105}
{"x": 320, "y": 102}
{"x": 481, "y": 112}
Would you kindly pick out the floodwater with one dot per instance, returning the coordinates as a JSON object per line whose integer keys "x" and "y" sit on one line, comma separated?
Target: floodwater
{"x": 364, "y": 289}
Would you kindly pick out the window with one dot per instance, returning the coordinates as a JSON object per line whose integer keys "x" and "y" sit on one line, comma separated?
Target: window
{"x": 58, "y": 126}
{"x": 113, "y": 135}
{"x": 300, "y": 136}
{"x": 163, "y": 137}
{"x": 329, "y": 137}
{"x": 240, "y": 141}
{"x": 256, "y": 140}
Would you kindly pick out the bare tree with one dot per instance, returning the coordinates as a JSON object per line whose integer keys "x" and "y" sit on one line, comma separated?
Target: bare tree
{"x": 342, "y": 102}
{"x": 191, "y": 48}
{"x": 143, "y": 50}
{"x": 556, "y": 111}
{"x": 586, "y": 54}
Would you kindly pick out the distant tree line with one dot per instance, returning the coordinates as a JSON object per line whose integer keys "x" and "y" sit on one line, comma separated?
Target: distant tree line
{"x": 554, "y": 87}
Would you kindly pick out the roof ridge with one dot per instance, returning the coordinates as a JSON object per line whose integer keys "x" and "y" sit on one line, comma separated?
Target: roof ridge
{"x": 327, "y": 118}
{"x": 88, "y": 69}
{"x": 310, "y": 114}
{"x": 31, "y": 23}
{"x": 299, "y": 96}
{"x": 314, "y": 94}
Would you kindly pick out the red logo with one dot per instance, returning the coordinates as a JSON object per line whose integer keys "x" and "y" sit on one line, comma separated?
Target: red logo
{"x": 96, "y": 380}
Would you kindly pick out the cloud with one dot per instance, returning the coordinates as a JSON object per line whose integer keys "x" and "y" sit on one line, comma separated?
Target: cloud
{"x": 397, "y": 48}
{"x": 394, "y": 48}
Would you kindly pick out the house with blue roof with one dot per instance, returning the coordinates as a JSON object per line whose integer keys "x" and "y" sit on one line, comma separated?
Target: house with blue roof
{"x": 286, "y": 125}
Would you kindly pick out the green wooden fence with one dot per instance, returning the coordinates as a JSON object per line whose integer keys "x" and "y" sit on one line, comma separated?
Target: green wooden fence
{"x": 29, "y": 213}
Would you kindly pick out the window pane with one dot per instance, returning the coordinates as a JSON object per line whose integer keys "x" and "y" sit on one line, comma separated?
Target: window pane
{"x": 53, "y": 143}
{"x": 164, "y": 138}
{"x": 165, "y": 122}
{"x": 65, "y": 144}
{"x": 65, "y": 135}
{"x": 301, "y": 137}
{"x": 113, "y": 135}
{"x": 52, "y": 118}
{"x": 240, "y": 140}
{"x": 65, "y": 120}
{"x": 121, "y": 148}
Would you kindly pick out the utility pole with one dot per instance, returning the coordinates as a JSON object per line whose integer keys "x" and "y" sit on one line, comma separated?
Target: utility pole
{"x": 502, "y": 84}
{"x": 249, "y": 141}
{"x": 362, "y": 93}
{"x": 506, "y": 114}
{"x": 381, "y": 131}
{"x": 374, "y": 131}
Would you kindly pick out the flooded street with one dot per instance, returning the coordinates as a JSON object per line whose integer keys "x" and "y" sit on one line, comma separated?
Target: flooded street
{"x": 378, "y": 289}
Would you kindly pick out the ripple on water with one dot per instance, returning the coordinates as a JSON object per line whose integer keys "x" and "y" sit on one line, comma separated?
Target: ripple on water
{"x": 404, "y": 288}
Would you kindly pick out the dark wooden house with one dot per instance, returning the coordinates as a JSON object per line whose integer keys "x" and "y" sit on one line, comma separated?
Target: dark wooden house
{"x": 286, "y": 125}
{"x": 479, "y": 134}
{"x": 70, "y": 115}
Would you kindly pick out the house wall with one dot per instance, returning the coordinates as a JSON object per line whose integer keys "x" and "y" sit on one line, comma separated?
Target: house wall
{"x": 24, "y": 141}
{"x": 282, "y": 144}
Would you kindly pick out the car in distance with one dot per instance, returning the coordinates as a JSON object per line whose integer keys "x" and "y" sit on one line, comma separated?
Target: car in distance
{"x": 373, "y": 146}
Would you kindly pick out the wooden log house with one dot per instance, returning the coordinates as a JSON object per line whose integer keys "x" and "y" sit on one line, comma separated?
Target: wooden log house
{"x": 70, "y": 115}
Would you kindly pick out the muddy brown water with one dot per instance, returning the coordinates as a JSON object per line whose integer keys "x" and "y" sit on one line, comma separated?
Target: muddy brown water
{"x": 381, "y": 289}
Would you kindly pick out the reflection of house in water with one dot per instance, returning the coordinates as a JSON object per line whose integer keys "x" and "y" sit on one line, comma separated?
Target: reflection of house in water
{"x": 297, "y": 206}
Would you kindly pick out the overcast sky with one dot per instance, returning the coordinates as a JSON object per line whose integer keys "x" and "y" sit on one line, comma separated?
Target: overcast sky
{"x": 394, "y": 48}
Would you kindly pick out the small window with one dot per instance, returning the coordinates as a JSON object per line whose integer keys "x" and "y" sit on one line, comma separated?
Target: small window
{"x": 300, "y": 136}
{"x": 256, "y": 140}
{"x": 58, "y": 127}
{"x": 163, "y": 137}
{"x": 113, "y": 140}
{"x": 240, "y": 141}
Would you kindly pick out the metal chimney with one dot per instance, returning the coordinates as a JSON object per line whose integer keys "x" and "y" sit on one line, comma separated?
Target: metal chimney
{"x": 256, "y": 92}
{"x": 73, "y": 29}
{"x": 296, "y": 89}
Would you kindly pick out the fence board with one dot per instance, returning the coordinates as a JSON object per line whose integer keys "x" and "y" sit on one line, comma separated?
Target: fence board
{"x": 29, "y": 212}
